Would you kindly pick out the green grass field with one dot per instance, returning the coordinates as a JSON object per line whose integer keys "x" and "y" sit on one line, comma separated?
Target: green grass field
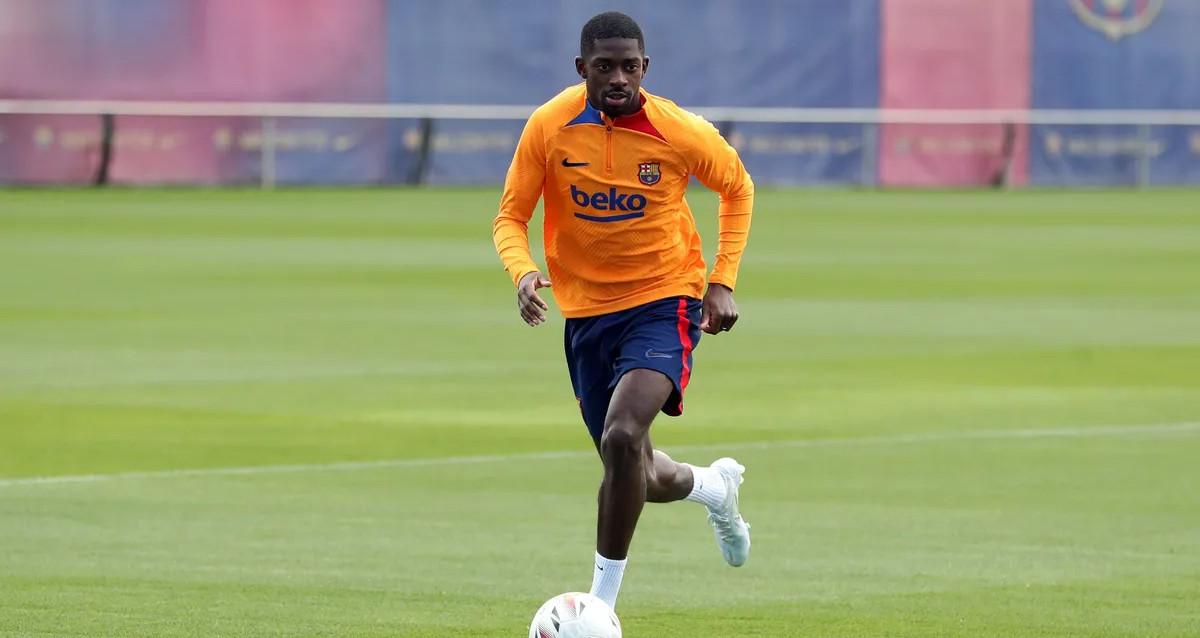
{"x": 317, "y": 413}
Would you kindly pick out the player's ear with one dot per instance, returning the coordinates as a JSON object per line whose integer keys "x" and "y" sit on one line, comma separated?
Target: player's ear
{"x": 580, "y": 68}
{"x": 645, "y": 64}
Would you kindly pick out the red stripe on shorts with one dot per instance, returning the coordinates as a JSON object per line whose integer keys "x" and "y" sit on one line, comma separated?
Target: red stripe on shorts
{"x": 686, "y": 340}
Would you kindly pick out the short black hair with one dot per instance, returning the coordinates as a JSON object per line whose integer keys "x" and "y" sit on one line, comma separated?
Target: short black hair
{"x": 610, "y": 24}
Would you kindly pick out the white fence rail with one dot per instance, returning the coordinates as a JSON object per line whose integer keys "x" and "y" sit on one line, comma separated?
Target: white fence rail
{"x": 519, "y": 112}
{"x": 270, "y": 113}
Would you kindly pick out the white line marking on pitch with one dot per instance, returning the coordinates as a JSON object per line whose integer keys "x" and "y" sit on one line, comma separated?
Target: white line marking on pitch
{"x": 920, "y": 437}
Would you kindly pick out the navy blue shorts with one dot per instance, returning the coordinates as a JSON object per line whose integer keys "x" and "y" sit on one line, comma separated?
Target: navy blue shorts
{"x": 659, "y": 335}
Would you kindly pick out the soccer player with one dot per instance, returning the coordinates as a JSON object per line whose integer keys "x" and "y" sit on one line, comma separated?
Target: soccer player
{"x": 612, "y": 163}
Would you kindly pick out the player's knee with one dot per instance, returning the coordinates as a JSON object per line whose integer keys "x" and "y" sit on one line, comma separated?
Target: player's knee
{"x": 622, "y": 444}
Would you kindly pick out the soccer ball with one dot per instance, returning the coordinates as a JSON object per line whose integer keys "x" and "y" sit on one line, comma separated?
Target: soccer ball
{"x": 575, "y": 615}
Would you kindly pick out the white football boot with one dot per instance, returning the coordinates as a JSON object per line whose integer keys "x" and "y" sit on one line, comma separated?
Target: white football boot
{"x": 733, "y": 533}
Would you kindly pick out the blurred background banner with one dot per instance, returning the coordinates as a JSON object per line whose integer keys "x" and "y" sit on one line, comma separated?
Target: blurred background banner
{"x": 193, "y": 50}
{"x": 210, "y": 50}
{"x": 810, "y": 53}
{"x": 948, "y": 54}
{"x": 806, "y": 54}
{"x": 1094, "y": 54}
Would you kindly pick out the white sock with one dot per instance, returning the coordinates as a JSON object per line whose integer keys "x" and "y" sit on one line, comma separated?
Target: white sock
{"x": 708, "y": 486}
{"x": 606, "y": 579}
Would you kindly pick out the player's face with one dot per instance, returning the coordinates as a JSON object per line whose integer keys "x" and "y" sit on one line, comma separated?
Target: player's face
{"x": 613, "y": 73}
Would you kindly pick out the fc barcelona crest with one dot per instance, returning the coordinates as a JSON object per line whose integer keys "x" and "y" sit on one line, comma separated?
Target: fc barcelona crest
{"x": 649, "y": 173}
{"x": 1117, "y": 18}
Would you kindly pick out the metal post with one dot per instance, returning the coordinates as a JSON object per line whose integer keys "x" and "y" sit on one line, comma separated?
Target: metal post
{"x": 268, "y": 152}
{"x": 725, "y": 129}
{"x": 420, "y": 170}
{"x": 107, "y": 132}
{"x": 870, "y": 155}
{"x": 1143, "y": 166}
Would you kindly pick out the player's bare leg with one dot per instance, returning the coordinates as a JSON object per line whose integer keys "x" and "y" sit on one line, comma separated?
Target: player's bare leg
{"x": 635, "y": 473}
{"x": 628, "y": 464}
{"x": 666, "y": 480}
{"x": 629, "y": 460}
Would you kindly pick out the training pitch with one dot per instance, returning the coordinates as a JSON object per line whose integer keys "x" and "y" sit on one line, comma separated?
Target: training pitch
{"x": 318, "y": 413}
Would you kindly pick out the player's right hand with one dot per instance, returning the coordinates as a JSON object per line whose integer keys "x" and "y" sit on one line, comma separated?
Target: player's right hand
{"x": 528, "y": 301}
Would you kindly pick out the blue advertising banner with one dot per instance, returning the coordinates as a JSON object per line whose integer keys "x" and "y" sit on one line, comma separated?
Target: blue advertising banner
{"x": 806, "y": 154}
{"x": 1115, "y": 155}
{"x": 331, "y": 151}
{"x": 807, "y": 53}
{"x": 1125, "y": 54}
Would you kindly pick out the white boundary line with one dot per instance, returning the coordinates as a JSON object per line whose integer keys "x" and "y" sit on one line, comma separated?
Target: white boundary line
{"x": 925, "y": 437}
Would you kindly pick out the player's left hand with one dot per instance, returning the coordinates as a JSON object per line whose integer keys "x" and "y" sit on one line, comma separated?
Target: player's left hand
{"x": 719, "y": 311}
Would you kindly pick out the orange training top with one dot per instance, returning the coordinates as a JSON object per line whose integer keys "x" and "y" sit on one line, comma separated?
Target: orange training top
{"x": 618, "y": 231}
